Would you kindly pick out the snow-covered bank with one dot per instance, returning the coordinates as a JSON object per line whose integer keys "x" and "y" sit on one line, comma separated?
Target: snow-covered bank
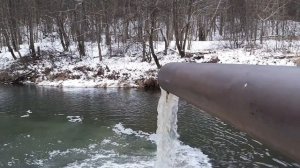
{"x": 59, "y": 69}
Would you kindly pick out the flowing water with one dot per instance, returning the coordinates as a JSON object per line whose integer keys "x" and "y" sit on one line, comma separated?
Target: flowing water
{"x": 170, "y": 152}
{"x": 54, "y": 127}
{"x": 166, "y": 130}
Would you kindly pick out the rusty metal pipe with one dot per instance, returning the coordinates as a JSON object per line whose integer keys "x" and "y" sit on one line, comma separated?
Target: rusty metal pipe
{"x": 263, "y": 101}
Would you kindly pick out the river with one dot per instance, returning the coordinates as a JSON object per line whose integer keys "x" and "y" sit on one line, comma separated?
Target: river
{"x": 89, "y": 127}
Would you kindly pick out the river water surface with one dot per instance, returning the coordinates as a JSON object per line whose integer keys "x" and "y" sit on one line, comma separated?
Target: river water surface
{"x": 71, "y": 127}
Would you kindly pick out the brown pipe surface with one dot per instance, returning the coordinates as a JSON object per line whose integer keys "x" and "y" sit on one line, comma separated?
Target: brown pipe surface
{"x": 263, "y": 101}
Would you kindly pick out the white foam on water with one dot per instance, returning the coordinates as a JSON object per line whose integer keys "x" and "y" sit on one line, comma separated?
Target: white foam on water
{"x": 25, "y": 116}
{"x": 120, "y": 129}
{"x": 109, "y": 153}
{"x": 29, "y": 111}
{"x": 105, "y": 141}
{"x": 58, "y": 153}
{"x": 74, "y": 119}
{"x": 109, "y": 159}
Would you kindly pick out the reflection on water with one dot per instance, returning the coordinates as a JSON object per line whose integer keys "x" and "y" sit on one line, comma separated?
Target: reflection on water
{"x": 47, "y": 138}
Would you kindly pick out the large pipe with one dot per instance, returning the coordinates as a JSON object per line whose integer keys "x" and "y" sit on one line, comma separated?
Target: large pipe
{"x": 263, "y": 101}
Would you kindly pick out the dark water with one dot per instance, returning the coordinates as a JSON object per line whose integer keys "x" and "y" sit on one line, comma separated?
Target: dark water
{"x": 47, "y": 139}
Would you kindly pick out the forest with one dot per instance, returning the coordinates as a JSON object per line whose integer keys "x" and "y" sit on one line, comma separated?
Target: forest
{"x": 116, "y": 25}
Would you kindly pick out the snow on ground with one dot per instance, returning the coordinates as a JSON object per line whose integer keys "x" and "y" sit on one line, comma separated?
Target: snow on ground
{"x": 67, "y": 70}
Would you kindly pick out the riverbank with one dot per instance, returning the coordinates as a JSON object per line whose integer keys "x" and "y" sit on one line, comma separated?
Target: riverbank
{"x": 128, "y": 69}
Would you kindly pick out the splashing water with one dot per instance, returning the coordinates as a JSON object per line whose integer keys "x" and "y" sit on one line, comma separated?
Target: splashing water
{"x": 167, "y": 130}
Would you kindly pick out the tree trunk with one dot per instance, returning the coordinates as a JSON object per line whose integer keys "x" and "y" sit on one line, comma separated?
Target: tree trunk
{"x": 31, "y": 39}
{"x": 178, "y": 37}
{"x": 188, "y": 25}
{"x": 98, "y": 30}
{"x": 140, "y": 29}
{"x": 153, "y": 17}
{"x": 166, "y": 42}
{"x": 61, "y": 37}
{"x": 79, "y": 27}
{"x": 10, "y": 49}
{"x": 13, "y": 27}
{"x": 126, "y": 29}
{"x": 65, "y": 41}
{"x": 262, "y": 32}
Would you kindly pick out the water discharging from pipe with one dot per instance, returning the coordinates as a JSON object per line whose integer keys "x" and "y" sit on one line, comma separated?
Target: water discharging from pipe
{"x": 167, "y": 130}
{"x": 172, "y": 153}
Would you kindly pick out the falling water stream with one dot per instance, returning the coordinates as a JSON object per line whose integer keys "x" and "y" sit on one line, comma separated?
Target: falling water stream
{"x": 166, "y": 129}
{"x": 170, "y": 150}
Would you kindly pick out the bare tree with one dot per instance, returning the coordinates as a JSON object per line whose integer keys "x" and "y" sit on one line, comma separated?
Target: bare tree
{"x": 123, "y": 22}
